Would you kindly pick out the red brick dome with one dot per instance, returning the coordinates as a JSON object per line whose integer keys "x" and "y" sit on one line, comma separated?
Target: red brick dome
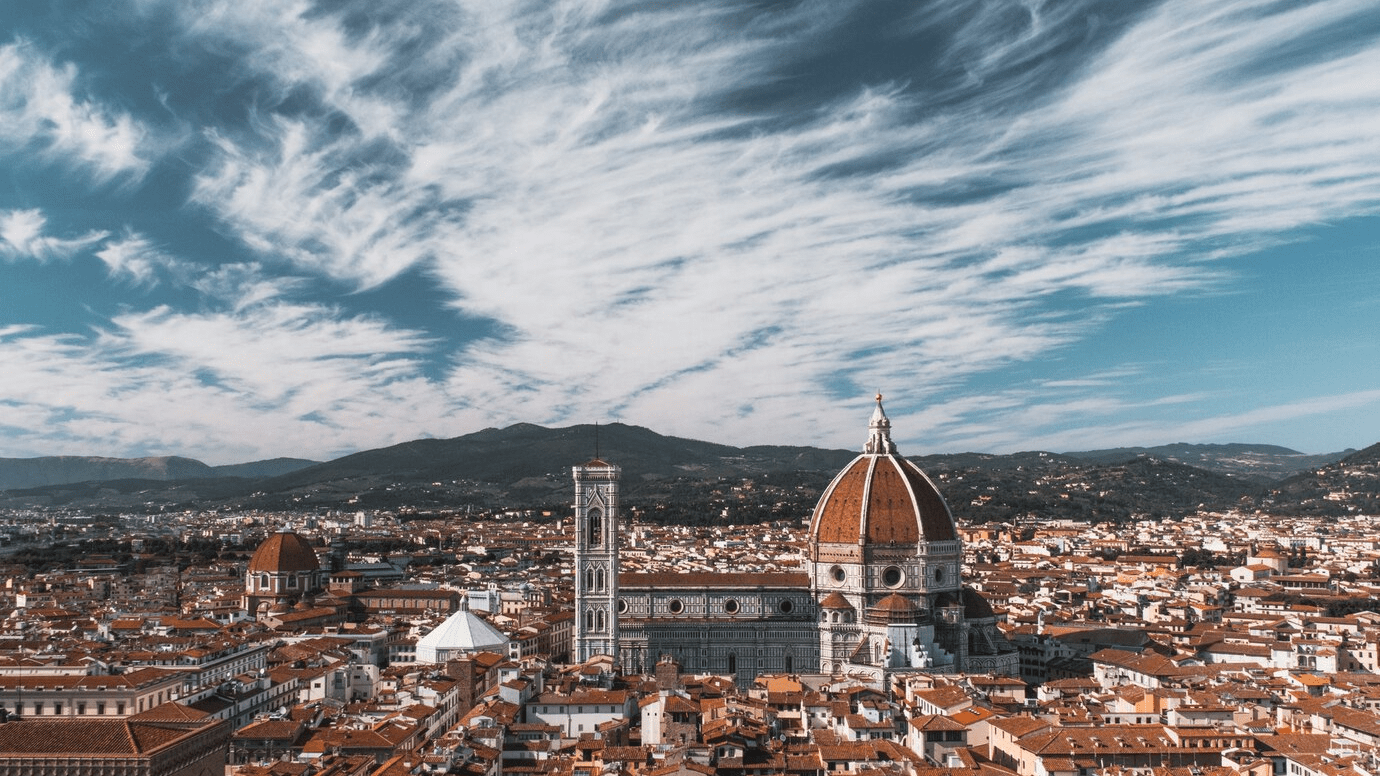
{"x": 893, "y": 608}
{"x": 881, "y": 498}
{"x": 284, "y": 552}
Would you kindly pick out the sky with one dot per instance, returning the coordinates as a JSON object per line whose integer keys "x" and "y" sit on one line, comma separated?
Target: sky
{"x": 242, "y": 229}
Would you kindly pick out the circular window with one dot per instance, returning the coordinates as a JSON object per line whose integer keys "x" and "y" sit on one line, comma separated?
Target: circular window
{"x": 892, "y": 577}
{"x": 675, "y": 607}
{"x": 939, "y": 575}
{"x": 785, "y": 607}
{"x": 731, "y": 606}
{"x": 622, "y": 606}
{"x": 838, "y": 574}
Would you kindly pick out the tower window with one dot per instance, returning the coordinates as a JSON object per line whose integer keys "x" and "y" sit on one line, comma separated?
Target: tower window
{"x": 595, "y": 526}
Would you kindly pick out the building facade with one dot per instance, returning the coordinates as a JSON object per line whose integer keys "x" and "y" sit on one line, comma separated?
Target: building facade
{"x": 881, "y": 594}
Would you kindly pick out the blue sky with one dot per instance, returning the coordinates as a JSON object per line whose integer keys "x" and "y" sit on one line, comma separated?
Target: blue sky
{"x": 243, "y": 229}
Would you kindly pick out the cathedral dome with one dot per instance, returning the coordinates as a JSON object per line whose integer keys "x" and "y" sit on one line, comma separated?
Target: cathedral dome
{"x": 881, "y": 498}
{"x": 284, "y": 552}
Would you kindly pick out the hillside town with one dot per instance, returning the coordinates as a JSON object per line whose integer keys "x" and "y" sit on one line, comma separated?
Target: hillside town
{"x": 1212, "y": 644}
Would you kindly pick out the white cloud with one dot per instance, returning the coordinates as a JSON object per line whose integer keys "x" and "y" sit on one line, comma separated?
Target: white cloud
{"x": 41, "y": 110}
{"x": 135, "y": 258}
{"x": 598, "y": 182}
{"x": 23, "y": 235}
{"x": 633, "y": 243}
{"x": 211, "y": 385}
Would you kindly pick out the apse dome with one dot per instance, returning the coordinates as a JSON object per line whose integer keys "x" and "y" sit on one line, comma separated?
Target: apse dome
{"x": 880, "y": 498}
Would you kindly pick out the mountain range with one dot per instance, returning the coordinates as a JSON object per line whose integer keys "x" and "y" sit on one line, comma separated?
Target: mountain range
{"x": 529, "y": 466}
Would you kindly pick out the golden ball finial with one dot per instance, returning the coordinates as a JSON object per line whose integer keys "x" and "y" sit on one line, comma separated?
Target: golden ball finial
{"x": 879, "y": 397}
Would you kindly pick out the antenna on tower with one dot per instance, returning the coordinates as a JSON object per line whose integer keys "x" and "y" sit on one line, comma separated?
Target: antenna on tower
{"x": 596, "y": 440}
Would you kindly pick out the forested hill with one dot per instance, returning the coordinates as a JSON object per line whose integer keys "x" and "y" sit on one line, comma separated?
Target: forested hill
{"x": 684, "y": 480}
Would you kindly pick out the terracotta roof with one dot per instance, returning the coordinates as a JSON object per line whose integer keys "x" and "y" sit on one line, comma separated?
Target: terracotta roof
{"x": 881, "y": 498}
{"x": 87, "y": 737}
{"x": 894, "y": 604}
{"x": 282, "y": 552}
{"x": 172, "y": 711}
{"x": 835, "y": 600}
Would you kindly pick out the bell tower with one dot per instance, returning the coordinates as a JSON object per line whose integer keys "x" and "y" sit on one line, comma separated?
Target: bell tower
{"x": 596, "y": 560}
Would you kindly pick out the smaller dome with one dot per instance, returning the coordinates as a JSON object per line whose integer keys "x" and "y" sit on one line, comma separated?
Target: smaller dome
{"x": 895, "y": 604}
{"x": 835, "y": 600}
{"x": 893, "y": 608}
{"x": 284, "y": 552}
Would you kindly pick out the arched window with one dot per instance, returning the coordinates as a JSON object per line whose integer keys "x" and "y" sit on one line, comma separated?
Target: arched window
{"x": 599, "y": 580}
{"x": 732, "y": 663}
{"x": 602, "y": 624}
{"x": 595, "y": 527}
{"x": 589, "y": 619}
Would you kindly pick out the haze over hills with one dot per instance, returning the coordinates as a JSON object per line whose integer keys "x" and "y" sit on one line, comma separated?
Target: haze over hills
{"x": 529, "y": 465}
{"x": 1261, "y": 463}
{"x": 64, "y": 469}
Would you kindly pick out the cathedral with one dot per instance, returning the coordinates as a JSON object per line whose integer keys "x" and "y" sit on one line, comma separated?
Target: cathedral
{"x": 881, "y": 592}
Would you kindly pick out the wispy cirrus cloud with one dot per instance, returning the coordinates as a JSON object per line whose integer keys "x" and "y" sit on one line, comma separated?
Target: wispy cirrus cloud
{"x": 135, "y": 259}
{"x": 23, "y": 235}
{"x": 162, "y": 380}
{"x": 577, "y": 164}
{"x": 757, "y": 213}
{"x": 42, "y": 111}
{"x": 1022, "y": 420}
